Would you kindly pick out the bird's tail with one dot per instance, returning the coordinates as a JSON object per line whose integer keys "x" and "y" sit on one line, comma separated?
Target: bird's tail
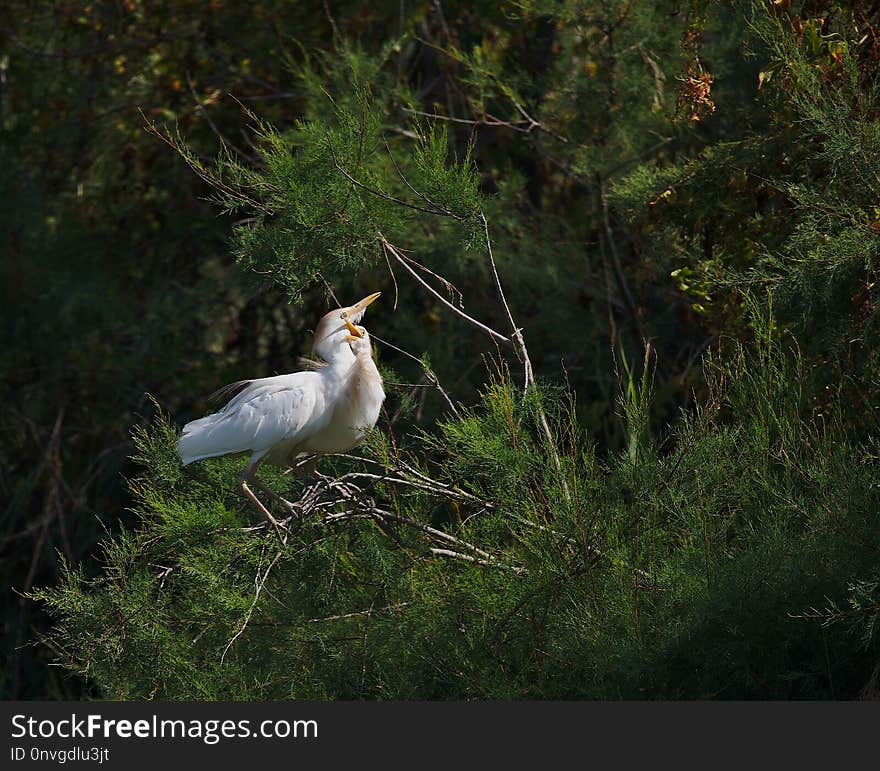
{"x": 199, "y": 440}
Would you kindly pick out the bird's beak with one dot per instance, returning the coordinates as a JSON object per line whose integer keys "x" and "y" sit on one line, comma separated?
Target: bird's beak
{"x": 354, "y": 332}
{"x": 361, "y": 306}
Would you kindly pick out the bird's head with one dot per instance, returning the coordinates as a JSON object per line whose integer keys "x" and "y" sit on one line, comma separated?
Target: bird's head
{"x": 337, "y": 327}
{"x": 358, "y": 338}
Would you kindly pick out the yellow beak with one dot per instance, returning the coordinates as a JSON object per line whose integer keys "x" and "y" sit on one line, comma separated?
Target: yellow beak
{"x": 361, "y": 305}
{"x": 354, "y": 332}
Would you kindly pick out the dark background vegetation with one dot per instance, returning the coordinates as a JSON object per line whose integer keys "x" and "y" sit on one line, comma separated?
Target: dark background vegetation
{"x": 700, "y": 176}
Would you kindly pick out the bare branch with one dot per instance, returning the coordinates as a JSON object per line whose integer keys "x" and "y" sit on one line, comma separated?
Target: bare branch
{"x": 516, "y": 334}
{"x": 204, "y": 112}
{"x": 387, "y": 515}
{"x": 429, "y": 374}
{"x": 525, "y": 126}
{"x": 523, "y": 354}
{"x": 401, "y": 260}
{"x": 469, "y": 558}
{"x": 454, "y": 291}
{"x": 617, "y": 268}
{"x": 259, "y": 582}
{"x": 355, "y": 614}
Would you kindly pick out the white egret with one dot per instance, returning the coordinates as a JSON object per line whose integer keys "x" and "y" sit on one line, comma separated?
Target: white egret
{"x": 277, "y": 418}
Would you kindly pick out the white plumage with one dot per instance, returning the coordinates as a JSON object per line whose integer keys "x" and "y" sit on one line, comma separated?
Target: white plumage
{"x": 267, "y": 412}
{"x": 278, "y": 418}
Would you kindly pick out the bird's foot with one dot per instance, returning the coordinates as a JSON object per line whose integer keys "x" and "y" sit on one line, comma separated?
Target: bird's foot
{"x": 296, "y": 513}
{"x": 280, "y": 528}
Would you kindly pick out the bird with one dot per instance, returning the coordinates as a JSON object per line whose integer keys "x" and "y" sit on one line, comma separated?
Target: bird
{"x": 326, "y": 410}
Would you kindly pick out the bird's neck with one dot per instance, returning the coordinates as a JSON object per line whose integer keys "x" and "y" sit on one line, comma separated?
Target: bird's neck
{"x": 340, "y": 357}
{"x": 339, "y": 367}
{"x": 367, "y": 369}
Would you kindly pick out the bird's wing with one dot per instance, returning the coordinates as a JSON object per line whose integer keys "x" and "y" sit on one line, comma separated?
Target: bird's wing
{"x": 266, "y": 412}
{"x": 224, "y": 393}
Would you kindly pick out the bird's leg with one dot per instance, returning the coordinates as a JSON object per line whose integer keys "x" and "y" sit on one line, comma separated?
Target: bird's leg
{"x": 256, "y": 501}
{"x": 304, "y": 469}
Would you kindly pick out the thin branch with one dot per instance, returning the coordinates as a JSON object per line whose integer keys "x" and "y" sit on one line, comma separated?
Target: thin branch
{"x": 525, "y": 126}
{"x": 429, "y": 374}
{"x": 454, "y": 291}
{"x": 260, "y": 582}
{"x": 488, "y": 121}
{"x": 434, "y": 488}
{"x": 440, "y": 209}
{"x": 516, "y": 333}
{"x": 204, "y": 111}
{"x": 476, "y": 560}
{"x": 355, "y": 614}
{"x": 617, "y": 268}
{"x": 402, "y": 260}
{"x": 523, "y": 353}
{"x": 386, "y": 196}
{"x": 235, "y": 194}
{"x": 393, "y": 279}
{"x": 387, "y": 515}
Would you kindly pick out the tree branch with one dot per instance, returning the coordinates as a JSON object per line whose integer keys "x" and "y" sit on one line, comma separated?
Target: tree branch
{"x": 497, "y": 336}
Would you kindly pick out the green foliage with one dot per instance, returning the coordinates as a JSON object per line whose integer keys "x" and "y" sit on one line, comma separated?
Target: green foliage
{"x": 683, "y": 504}
{"x": 692, "y": 575}
{"x": 325, "y": 197}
